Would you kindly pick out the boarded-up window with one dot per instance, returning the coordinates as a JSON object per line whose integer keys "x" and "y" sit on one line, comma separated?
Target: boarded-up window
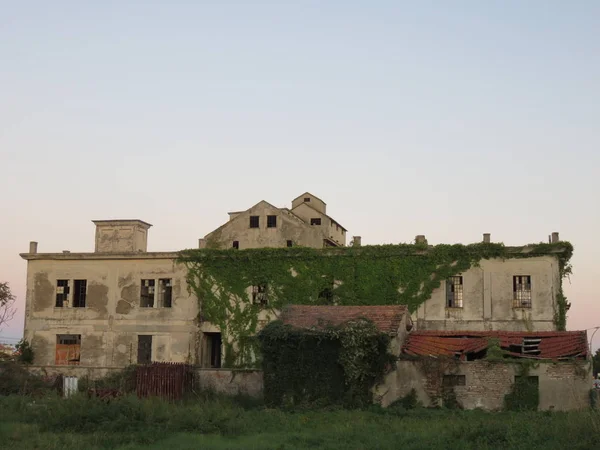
{"x": 79, "y": 293}
{"x": 147, "y": 294}
{"x": 144, "y": 349}
{"x": 165, "y": 292}
{"x": 62, "y": 293}
{"x": 68, "y": 349}
{"x": 454, "y": 292}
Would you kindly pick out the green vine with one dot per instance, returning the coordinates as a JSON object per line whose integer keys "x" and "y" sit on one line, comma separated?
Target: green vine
{"x": 371, "y": 275}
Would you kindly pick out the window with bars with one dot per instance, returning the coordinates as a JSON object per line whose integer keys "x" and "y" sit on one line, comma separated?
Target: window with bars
{"x": 454, "y": 292}
{"x": 259, "y": 294}
{"x": 79, "y": 293}
{"x": 165, "y": 292}
{"x": 522, "y": 291}
{"x": 147, "y": 294}
{"x": 271, "y": 221}
{"x": 62, "y": 293}
{"x": 254, "y": 222}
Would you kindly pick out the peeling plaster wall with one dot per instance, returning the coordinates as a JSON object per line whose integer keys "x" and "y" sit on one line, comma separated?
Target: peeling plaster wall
{"x": 488, "y": 298}
{"x": 231, "y": 382}
{"x": 562, "y": 385}
{"x": 112, "y": 319}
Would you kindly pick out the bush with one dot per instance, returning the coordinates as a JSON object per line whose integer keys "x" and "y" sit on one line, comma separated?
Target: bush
{"x": 15, "y": 379}
{"x": 24, "y": 352}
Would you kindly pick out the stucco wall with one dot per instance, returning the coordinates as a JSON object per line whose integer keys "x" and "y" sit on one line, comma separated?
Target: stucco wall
{"x": 112, "y": 319}
{"x": 488, "y": 298}
{"x": 561, "y": 385}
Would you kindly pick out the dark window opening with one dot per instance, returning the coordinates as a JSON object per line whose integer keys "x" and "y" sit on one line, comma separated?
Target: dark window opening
{"x": 147, "y": 294}
{"x": 144, "y": 355}
{"x": 316, "y": 221}
{"x": 454, "y": 292}
{"x": 62, "y": 292}
{"x": 290, "y": 244}
{"x": 236, "y": 245}
{"x": 165, "y": 292}
{"x": 326, "y": 295}
{"x": 259, "y": 294}
{"x": 213, "y": 349}
{"x": 80, "y": 293}
{"x": 271, "y": 221}
{"x": 254, "y": 222}
{"x": 307, "y": 199}
{"x": 522, "y": 291}
{"x": 454, "y": 380}
{"x": 68, "y": 349}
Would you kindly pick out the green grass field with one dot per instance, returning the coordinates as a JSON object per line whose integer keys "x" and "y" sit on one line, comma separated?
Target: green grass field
{"x": 218, "y": 423}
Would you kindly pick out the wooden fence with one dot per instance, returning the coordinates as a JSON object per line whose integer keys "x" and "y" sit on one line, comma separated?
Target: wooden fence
{"x": 169, "y": 381}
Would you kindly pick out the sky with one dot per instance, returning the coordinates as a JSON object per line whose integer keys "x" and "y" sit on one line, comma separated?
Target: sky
{"x": 448, "y": 119}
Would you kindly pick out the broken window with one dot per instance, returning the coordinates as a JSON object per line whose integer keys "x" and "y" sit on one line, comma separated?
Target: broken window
{"x": 212, "y": 350}
{"x": 315, "y": 221}
{"x": 147, "y": 294}
{"x": 165, "y": 292}
{"x": 62, "y": 293}
{"x": 454, "y": 292}
{"x": 454, "y": 380}
{"x": 254, "y": 222}
{"x": 79, "y": 293}
{"x": 144, "y": 349}
{"x": 522, "y": 291}
{"x": 271, "y": 221}
{"x": 236, "y": 245}
{"x": 259, "y": 294}
{"x": 290, "y": 243}
{"x": 68, "y": 349}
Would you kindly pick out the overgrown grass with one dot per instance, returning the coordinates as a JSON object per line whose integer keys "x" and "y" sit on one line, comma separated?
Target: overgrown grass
{"x": 222, "y": 423}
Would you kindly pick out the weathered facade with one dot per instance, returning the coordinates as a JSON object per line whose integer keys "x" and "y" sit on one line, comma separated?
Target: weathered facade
{"x": 264, "y": 225}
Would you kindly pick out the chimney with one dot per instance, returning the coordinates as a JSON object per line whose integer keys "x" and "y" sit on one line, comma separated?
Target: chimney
{"x": 487, "y": 238}
{"x": 201, "y": 243}
{"x": 33, "y": 247}
{"x": 356, "y": 241}
{"x": 420, "y": 239}
{"x": 555, "y": 237}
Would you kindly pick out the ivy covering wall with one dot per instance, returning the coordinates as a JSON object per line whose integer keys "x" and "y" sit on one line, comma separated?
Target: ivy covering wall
{"x": 403, "y": 274}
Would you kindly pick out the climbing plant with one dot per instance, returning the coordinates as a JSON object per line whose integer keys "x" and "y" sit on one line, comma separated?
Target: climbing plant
{"x": 371, "y": 275}
{"x": 335, "y": 365}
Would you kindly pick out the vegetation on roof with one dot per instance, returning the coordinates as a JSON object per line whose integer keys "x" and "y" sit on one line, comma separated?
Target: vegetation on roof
{"x": 404, "y": 274}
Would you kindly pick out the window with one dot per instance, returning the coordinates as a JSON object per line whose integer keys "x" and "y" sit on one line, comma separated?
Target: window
{"x": 316, "y": 221}
{"x": 79, "y": 293}
{"x": 147, "y": 294}
{"x": 212, "y": 350}
{"x": 454, "y": 380}
{"x": 307, "y": 199}
{"x": 290, "y": 243}
{"x": 254, "y": 222}
{"x": 165, "y": 292}
{"x": 522, "y": 291}
{"x": 62, "y": 293}
{"x": 68, "y": 349}
{"x": 259, "y": 294}
{"x": 144, "y": 349}
{"x": 326, "y": 296}
{"x": 271, "y": 221}
{"x": 236, "y": 245}
{"x": 454, "y": 292}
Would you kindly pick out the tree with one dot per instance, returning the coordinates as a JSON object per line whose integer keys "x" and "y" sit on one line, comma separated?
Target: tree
{"x": 596, "y": 360}
{"x": 7, "y": 304}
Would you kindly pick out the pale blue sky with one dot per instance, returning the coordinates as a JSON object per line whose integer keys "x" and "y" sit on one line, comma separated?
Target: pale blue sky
{"x": 443, "y": 118}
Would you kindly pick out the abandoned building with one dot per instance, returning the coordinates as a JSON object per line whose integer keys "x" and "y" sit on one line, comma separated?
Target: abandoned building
{"x": 306, "y": 224}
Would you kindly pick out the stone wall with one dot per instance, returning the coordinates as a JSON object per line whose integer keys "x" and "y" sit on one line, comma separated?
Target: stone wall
{"x": 231, "y": 382}
{"x": 562, "y": 385}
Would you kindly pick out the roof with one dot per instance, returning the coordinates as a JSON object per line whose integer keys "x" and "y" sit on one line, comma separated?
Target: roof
{"x": 387, "y": 318}
{"x": 537, "y": 345}
{"x": 122, "y": 222}
{"x": 322, "y": 213}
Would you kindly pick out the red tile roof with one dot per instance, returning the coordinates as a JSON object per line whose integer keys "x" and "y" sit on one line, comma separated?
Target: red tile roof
{"x": 386, "y": 318}
{"x": 552, "y": 344}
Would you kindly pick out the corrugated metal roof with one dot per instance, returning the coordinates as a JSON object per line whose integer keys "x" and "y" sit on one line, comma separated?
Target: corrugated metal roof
{"x": 538, "y": 345}
{"x": 386, "y": 318}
